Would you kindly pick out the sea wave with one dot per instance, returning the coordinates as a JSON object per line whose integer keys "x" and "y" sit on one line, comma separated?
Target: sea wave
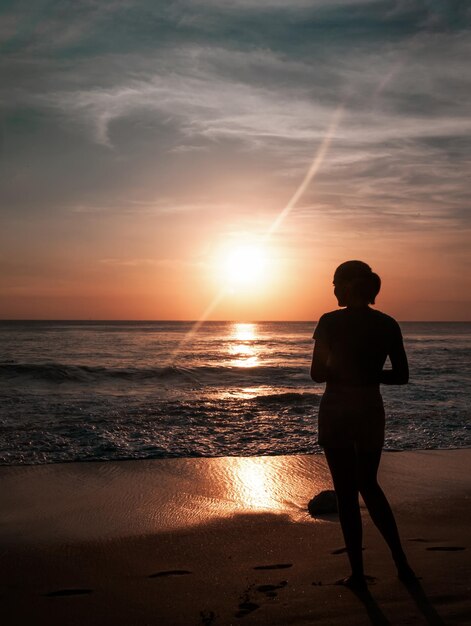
{"x": 82, "y": 374}
{"x": 60, "y": 372}
{"x": 288, "y": 398}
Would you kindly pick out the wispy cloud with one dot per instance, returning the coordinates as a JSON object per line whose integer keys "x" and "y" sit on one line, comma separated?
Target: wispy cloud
{"x": 201, "y": 100}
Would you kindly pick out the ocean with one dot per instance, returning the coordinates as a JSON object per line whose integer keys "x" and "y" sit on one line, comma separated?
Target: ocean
{"x": 83, "y": 391}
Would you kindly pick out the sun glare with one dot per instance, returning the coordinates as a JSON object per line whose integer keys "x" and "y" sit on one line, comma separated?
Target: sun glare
{"x": 244, "y": 266}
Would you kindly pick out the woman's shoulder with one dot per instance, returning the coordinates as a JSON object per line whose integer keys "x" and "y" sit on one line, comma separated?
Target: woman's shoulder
{"x": 367, "y": 315}
{"x": 332, "y": 314}
{"x": 331, "y": 317}
{"x": 325, "y": 323}
{"x": 386, "y": 322}
{"x": 387, "y": 319}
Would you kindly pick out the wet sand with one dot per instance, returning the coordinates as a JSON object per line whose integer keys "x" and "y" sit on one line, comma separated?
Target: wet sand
{"x": 226, "y": 541}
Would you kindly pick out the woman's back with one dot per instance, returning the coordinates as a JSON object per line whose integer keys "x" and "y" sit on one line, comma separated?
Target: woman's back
{"x": 359, "y": 341}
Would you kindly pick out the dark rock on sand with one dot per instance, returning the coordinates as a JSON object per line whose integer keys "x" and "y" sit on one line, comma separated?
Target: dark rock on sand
{"x": 325, "y": 502}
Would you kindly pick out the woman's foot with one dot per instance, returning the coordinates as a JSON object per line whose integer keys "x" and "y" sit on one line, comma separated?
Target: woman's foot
{"x": 404, "y": 570}
{"x": 355, "y": 582}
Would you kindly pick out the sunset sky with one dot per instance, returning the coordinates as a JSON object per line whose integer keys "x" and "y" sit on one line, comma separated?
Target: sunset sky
{"x": 147, "y": 146}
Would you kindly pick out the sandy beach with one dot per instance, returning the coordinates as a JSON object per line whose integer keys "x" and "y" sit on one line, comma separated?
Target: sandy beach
{"x": 226, "y": 541}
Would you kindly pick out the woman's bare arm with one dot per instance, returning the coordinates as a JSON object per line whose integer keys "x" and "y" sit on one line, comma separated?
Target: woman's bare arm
{"x": 399, "y": 374}
{"x": 319, "y": 362}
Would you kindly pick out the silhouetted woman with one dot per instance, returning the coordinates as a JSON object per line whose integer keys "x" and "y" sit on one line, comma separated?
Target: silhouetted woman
{"x": 351, "y": 347}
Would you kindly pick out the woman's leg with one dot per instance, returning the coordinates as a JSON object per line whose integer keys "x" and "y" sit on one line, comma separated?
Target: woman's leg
{"x": 342, "y": 464}
{"x": 378, "y": 506}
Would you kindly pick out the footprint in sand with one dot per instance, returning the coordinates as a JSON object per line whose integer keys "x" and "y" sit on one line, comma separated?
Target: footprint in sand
{"x": 275, "y": 566}
{"x": 446, "y": 548}
{"x": 270, "y": 590}
{"x": 340, "y": 550}
{"x": 245, "y": 608}
{"x": 67, "y": 592}
{"x": 171, "y": 572}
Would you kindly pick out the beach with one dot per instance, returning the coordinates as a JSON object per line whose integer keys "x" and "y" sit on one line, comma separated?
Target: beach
{"x": 226, "y": 541}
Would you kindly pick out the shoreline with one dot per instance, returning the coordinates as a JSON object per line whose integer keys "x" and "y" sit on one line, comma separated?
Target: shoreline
{"x": 217, "y": 540}
{"x": 4, "y": 466}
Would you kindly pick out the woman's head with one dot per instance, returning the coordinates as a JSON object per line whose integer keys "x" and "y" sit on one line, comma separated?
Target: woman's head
{"x": 356, "y": 284}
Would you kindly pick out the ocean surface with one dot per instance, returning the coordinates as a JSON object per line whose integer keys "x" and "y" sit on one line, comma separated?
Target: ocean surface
{"x": 76, "y": 391}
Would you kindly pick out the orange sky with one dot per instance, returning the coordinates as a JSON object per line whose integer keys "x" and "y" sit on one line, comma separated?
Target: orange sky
{"x": 141, "y": 275}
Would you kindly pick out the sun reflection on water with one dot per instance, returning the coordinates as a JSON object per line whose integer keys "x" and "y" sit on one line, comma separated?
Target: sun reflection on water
{"x": 241, "y": 348}
{"x": 197, "y": 491}
{"x": 244, "y": 331}
{"x": 254, "y": 484}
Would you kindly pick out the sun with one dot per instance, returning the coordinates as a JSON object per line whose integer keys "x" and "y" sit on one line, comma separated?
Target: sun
{"x": 243, "y": 265}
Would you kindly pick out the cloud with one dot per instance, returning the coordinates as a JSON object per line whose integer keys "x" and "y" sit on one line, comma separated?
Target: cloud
{"x": 203, "y": 101}
{"x": 165, "y": 82}
{"x": 197, "y": 92}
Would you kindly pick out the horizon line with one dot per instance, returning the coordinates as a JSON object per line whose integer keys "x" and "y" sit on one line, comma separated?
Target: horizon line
{"x": 217, "y": 321}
